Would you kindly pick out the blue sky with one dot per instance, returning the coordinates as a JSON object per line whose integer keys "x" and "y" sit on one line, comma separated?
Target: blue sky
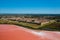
{"x": 30, "y": 6}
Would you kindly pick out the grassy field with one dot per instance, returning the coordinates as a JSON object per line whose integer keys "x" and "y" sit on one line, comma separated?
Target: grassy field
{"x": 50, "y": 26}
{"x": 24, "y": 24}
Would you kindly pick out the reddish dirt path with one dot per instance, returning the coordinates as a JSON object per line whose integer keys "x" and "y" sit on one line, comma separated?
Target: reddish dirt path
{"x": 13, "y": 32}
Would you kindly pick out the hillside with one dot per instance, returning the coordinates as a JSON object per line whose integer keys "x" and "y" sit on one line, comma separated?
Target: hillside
{"x": 52, "y": 27}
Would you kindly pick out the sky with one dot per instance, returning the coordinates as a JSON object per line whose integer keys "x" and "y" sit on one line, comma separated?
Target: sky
{"x": 30, "y": 6}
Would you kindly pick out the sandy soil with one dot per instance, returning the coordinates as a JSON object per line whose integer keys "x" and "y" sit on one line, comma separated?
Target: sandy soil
{"x": 13, "y": 32}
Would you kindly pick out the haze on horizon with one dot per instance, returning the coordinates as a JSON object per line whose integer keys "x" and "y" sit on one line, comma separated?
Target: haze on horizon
{"x": 30, "y": 6}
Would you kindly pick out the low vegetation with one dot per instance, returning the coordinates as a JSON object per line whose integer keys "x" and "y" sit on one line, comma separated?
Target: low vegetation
{"x": 24, "y": 24}
{"x": 55, "y": 26}
{"x": 37, "y": 22}
{"x": 51, "y": 27}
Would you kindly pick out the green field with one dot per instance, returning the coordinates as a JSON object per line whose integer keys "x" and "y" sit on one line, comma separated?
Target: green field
{"x": 50, "y": 26}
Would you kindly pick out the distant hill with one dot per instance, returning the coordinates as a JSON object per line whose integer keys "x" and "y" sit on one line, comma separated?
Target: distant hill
{"x": 29, "y": 14}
